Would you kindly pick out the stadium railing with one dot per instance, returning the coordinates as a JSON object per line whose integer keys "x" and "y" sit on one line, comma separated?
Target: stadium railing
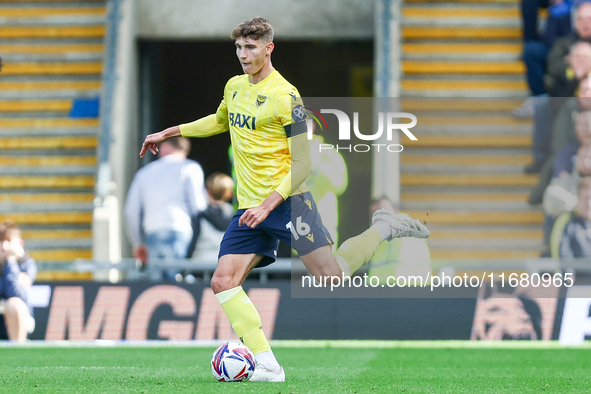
{"x": 131, "y": 269}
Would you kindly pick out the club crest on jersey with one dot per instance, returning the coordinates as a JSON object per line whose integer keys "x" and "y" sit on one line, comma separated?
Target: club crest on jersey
{"x": 261, "y": 100}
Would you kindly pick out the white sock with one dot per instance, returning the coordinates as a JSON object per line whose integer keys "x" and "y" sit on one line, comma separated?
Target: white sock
{"x": 267, "y": 359}
{"x": 383, "y": 228}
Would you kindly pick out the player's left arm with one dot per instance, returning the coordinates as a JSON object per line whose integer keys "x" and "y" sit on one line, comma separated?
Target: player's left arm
{"x": 207, "y": 126}
{"x": 292, "y": 114}
{"x": 301, "y": 163}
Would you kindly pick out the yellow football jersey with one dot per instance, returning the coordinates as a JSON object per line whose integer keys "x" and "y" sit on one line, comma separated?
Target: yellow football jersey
{"x": 259, "y": 117}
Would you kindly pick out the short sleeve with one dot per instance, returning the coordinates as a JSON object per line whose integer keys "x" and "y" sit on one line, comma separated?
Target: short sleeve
{"x": 292, "y": 113}
{"x": 289, "y": 101}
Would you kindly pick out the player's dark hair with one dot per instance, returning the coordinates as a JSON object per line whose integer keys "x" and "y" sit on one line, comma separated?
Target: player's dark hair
{"x": 256, "y": 28}
{"x": 180, "y": 143}
{"x": 8, "y": 229}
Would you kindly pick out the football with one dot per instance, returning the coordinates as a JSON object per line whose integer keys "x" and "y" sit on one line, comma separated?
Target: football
{"x": 232, "y": 362}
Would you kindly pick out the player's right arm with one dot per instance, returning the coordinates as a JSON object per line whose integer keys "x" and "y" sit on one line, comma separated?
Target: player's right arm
{"x": 203, "y": 127}
{"x": 209, "y": 125}
{"x": 153, "y": 140}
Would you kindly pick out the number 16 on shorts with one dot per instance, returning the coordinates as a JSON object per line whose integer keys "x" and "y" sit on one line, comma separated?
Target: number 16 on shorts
{"x": 301, "y": 228}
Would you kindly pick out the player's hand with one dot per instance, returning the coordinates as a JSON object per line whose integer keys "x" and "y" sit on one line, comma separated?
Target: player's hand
{"x": 151, "y": 142}
{"x": 253, "y": 216}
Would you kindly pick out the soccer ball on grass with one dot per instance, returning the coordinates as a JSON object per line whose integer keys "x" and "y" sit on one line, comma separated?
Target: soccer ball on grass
{"x": 232, "y": 362}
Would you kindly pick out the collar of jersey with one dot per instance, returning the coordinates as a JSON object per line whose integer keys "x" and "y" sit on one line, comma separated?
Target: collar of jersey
{"x": 264, "y": 81}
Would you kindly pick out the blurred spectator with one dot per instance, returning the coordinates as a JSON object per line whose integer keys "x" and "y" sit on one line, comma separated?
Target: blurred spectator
{"x": 561, "y": 194}
{"x": 563, "y": 133}
{"x": 536, "y": 46}
{"x": 17, "y": 273}
{"x": 571, "y": 235}
{"x": 401, "y": 256}
{"x": 163, "y": 198}
{"x": 546, "y": 109}
{"x": 566, "y": 158}
{"x": 529, "y": 15}
{"x": 210, "y": 225}
{"x": 564, "y": 71}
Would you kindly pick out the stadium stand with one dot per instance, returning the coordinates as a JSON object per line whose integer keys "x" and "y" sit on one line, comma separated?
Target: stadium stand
{"x": 465, "y": 170}
{"x": 53, "y": 55}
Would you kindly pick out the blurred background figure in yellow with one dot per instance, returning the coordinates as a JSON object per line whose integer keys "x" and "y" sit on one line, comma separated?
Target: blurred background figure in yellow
{"x": 328, "y": 181}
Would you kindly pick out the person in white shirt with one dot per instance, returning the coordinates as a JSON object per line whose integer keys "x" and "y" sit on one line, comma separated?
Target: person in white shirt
{"x": 163, "y": 198}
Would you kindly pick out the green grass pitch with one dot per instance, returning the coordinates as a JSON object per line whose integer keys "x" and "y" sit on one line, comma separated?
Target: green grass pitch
{"x": 311, "y": 367}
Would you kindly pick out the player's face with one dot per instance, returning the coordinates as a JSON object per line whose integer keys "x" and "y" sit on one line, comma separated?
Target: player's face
{"x": 252, "y": 54}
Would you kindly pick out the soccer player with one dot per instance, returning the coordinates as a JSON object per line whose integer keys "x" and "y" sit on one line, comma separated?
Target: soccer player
{"x": 272, "y": 159}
